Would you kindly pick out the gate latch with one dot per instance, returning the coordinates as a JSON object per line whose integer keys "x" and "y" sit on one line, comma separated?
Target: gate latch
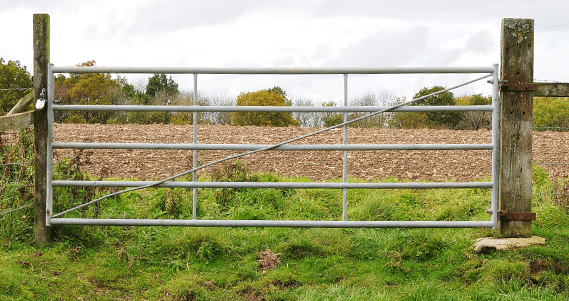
{"x": 517, "y": 216}
{"x": 40, "y": 103}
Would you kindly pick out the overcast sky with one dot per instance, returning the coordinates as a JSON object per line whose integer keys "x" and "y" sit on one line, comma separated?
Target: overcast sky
{"x": 303, "y": 33}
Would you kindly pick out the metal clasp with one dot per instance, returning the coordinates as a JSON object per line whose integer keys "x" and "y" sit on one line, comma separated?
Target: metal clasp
{"x": 40, "y": 103}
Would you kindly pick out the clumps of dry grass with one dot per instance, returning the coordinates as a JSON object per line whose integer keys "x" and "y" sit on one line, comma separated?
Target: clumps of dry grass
{"x": 268, "y": 260}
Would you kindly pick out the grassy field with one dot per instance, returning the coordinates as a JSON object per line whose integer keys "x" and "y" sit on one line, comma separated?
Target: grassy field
{"x": 175, "y": 263}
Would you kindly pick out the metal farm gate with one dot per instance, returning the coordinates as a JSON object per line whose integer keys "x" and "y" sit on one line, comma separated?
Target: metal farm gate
{"x": 53, "y": 218}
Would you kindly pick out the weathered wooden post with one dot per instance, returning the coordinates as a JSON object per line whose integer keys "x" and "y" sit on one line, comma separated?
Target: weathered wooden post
{"x": 41, "y": 59}
{"x": 516, "y": 124}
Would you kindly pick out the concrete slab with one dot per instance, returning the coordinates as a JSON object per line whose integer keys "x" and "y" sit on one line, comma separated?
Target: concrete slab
{"x": 503, "y": 244}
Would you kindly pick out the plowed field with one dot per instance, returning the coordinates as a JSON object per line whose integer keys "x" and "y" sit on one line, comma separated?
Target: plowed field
{"x": 551, "y": 148}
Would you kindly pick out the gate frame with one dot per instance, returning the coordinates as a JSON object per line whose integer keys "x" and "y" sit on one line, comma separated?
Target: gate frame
{"x": 489, "y": 71}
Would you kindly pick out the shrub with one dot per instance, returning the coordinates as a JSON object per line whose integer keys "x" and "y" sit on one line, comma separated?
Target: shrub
{"x": 550, "y": 113}
{"x": 16, "y": 188}
{"x": 475, "y": 120}
{"x": 331, "y": 118}
{"x": 409, "y": 121}
{"x": 75, "y": 119}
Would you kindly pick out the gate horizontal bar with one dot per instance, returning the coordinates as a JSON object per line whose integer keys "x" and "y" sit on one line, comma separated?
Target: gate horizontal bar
{"x": 293, "y": 147}
{"x": 272, "y": 223}
{"x": 296, "y": 185}
{"x": 290, "y": 70}
{"x": 299, "y": 109}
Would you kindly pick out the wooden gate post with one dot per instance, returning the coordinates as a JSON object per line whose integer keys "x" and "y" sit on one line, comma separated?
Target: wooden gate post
{"x": 41, "y": 60}
{"x": 516, "y": 125}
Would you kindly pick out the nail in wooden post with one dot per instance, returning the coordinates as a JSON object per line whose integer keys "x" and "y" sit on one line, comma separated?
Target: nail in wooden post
{"x": 41, "y": 59}
{"x": 516, "y": 121}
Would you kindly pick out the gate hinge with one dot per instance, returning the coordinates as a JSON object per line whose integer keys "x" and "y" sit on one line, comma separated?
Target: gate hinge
{"x": 505, "y": 86}
{"x": 517, "y": 216}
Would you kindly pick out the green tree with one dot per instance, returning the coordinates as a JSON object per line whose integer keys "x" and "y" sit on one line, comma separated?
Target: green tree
{"x": 126, "y": 88}
{"x": 331, "y": 118}
{"x": 277, "y": 90}
{"x": 263, "y": 98}
{"x": 160, "y": 91}
{"x": 159, "y": 83}
{"x": 16, "y": 80}
{"x": 436, "y": 119}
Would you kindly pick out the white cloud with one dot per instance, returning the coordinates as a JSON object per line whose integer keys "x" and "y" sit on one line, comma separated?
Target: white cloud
{"x": 308, "y": 33}
{"x": 384, "y": 49}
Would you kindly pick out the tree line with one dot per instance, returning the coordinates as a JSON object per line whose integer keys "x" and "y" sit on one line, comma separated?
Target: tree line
{"x": 160, "y": 89}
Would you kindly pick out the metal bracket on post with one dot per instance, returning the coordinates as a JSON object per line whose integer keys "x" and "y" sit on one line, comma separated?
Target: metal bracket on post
{"x": 518, "y": 87}
{"x": 517, "y": 216}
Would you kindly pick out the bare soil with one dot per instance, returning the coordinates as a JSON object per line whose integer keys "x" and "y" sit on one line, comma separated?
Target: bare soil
{"x": 550, "y": 148}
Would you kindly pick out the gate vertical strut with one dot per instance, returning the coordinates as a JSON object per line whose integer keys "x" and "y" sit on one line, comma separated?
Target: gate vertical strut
{"x": 345, "y": 159}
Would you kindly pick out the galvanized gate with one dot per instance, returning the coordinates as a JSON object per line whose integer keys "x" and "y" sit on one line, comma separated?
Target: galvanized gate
{"x": 53, "y": 218}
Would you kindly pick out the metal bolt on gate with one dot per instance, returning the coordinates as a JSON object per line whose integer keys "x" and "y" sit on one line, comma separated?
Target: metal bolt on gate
{"x": 54, "y": 219}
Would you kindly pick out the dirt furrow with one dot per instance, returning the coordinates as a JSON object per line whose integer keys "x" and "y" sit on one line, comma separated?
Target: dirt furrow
{"x": 548, "y": 147}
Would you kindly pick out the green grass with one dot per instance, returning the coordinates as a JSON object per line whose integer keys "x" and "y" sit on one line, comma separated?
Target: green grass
{"x": 175, "y": 263}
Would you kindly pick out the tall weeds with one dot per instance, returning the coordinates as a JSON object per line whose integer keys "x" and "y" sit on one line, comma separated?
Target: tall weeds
{"x": 70, "y": 169}
{"x": 176, "y": 263}
{"x": 16, "y": 185}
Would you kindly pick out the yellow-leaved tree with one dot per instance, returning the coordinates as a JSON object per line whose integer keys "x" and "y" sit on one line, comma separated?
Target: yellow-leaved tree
{"x": 87, "y": 89}
{"x": 271, "y": 97}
